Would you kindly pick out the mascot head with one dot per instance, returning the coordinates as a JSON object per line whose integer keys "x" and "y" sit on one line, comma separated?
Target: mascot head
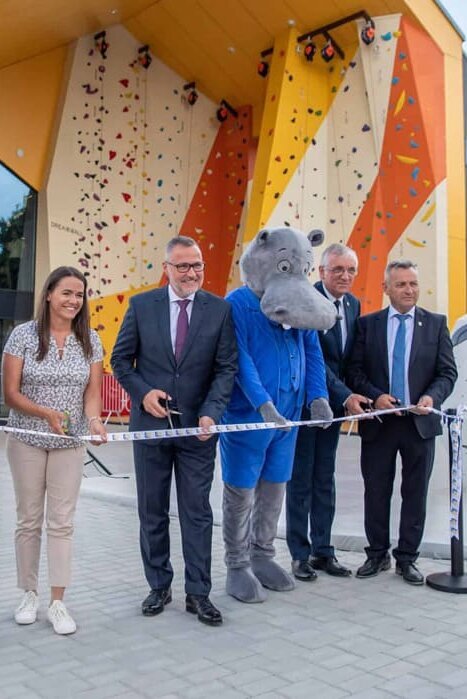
{"x": 276, "y": 266}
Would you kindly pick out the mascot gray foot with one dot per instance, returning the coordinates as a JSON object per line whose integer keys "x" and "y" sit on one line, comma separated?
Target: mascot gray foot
{"x": 250, "y": 519}
{"x": 266, "y": 511}
{"x": 243, "y": 584}
{"x": 236, "y": 527}
{"x": 271, "y": 575}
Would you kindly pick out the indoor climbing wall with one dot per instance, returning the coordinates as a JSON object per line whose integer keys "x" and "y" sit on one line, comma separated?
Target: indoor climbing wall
{"x": 135, "y": 165}
{"x": 405, "y": 211}
{"x": 373, "y": 172}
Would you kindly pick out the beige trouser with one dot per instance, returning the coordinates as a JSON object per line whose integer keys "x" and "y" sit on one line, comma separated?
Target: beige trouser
{"x": 35, "y": 472}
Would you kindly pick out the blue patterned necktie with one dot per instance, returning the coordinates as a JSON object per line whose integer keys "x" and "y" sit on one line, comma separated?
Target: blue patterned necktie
{"x": 398, "y": 361}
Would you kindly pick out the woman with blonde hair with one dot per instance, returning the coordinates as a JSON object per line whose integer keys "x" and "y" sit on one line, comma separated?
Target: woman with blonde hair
{"x": 52, "y": 374}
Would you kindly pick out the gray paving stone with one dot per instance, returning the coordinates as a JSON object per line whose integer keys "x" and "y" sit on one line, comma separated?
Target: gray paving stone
{"x": 110, "y": 690}
{"x": 320, "y": 689}
{"x": 265, "y": 684}
{"x": 440, "y": 672}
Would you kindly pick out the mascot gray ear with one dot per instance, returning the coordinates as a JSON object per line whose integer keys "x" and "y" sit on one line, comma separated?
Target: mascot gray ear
{"x": 316, "y": 237}
{"x": 263, "y": 236}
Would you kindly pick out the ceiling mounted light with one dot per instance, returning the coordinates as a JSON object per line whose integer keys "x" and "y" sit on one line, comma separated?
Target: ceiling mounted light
{"x": 368, "y": 32}
{"x": 101, "y": 44}
{"x": 328, "y": 51}
{"x": 224, "y": 110}
{"x": 144, "y": 57}
{"x": 192, "y": 96}
{"x": 309, "y": 51}
{"x": 263, "y": 69}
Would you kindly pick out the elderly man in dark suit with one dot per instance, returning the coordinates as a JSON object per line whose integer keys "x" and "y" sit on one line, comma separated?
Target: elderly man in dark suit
{"x": 402, "y": 356}
{"x": 310, "y": 499}
{"x": 176, "y": 356}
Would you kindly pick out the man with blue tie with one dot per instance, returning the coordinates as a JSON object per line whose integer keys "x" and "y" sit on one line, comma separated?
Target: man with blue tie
{"x": 402, "y": 356}
{"x": 310, "y": 499}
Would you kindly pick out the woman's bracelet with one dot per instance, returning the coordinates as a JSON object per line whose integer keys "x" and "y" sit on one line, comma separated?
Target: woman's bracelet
{"x": 91, "y": 419}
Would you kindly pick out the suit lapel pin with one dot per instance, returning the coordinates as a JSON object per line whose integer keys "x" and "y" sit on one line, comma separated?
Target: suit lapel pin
{"x": 420, "y": 323}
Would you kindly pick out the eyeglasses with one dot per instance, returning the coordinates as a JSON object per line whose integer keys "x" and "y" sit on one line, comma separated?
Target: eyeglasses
{"x": 339, "y": 271}
{"x": 186, "y": 266}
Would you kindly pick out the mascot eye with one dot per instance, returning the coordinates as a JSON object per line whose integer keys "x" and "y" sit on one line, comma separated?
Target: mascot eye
{"x": 307, "y": 268}
{"x": 284, "y": 266}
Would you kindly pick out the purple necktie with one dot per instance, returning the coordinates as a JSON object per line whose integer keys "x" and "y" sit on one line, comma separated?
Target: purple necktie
{"x": 182, "y": 328}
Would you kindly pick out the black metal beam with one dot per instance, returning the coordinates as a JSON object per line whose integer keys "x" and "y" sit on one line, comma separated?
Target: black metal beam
{"x": 333, "y": 25}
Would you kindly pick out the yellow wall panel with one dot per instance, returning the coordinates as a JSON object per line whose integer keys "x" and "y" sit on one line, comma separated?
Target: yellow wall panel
{"x": 29, "y": 95}
{"x": 299, "y": 94}
{"x": 456, "y": 187}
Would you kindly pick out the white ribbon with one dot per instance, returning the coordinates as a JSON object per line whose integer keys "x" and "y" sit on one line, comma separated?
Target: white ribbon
{"x": 215, "y": 429}
{"x": 455, "y": 423}
{"x": 455, "y": 429}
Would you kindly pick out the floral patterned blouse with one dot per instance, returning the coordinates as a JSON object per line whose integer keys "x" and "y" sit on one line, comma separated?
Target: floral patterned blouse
{"x": 55, "y": 383}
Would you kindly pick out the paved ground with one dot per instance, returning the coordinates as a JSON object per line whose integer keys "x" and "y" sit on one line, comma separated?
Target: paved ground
{"x": 329, "y": 639}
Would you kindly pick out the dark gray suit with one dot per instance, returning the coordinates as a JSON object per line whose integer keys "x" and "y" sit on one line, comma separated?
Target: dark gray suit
{"x": 432, "y": 371}
{"x": 200, "y": 385}
{"x": 311, "y": 496}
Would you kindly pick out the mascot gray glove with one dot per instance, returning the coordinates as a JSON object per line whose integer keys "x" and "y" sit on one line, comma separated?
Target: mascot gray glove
{"x": 320, "y": 410}
{"x": 268, "y": 412}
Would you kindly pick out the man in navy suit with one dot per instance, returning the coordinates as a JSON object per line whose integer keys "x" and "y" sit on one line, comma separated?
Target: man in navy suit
{"x": 176, "y": 355}
{"x": 402, "y": 356}
{"x": 310, "y": 499}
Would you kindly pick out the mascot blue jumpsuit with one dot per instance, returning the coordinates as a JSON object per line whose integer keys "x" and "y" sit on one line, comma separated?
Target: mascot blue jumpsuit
{"x": 280, "y": 368}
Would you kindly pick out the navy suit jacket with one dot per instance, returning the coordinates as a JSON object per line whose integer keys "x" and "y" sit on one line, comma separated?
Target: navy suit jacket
{"x": 143, "y": 358}
{"x": 432, "y": 368}
{"x": 335, "y": 359}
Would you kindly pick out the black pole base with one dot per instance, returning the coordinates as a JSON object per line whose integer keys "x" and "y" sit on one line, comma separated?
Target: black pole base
{"x": 445, "y": 582}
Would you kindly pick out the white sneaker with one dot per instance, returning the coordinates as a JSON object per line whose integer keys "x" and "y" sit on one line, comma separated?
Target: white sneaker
{"x": 58, "y": 616}
{"x": 26, "y": 613}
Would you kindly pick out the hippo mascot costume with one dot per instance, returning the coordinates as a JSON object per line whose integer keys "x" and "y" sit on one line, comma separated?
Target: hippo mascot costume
{"x": 276, "y": 316}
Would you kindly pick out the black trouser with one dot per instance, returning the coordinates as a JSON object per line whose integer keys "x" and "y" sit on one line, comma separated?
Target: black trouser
{"x": 193, "y": 464}
{"x": 311, "y": 494}
{"x": 378, "y": 462}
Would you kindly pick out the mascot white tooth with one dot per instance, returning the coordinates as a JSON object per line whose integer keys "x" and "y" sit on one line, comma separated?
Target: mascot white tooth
{"x": 276, "y": 316}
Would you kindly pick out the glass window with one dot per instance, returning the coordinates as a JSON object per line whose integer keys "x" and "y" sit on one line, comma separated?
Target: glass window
{"x": 18, "y": 203}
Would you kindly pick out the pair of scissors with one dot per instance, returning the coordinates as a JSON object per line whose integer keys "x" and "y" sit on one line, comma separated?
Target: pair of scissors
{"x": 170, "y": 411}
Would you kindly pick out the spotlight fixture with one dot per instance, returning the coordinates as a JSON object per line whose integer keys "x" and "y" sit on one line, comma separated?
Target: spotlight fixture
{"x": 101, "y": 44}
{"x": 263, "y": 69}
{"x": 328, "y": 51}
{"x": 368, "y": 32}
{"x": 224, "y": 110}
{"x": 309, "y": 51}
{"x": 192, "y": 95}
{"x": 263, "y": 65}
{"x": 144, "y": 57}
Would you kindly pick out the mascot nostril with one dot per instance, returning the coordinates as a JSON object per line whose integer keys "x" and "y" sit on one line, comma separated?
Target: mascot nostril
{"x": 276, "y": 316}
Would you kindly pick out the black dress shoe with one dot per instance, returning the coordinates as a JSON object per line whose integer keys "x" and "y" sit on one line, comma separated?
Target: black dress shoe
{"x": 373, "y": 566}
{"x": 204, "y": 608}
{"x": 330, "y": 565}
{"x": 156, "y": 601}
{"x": 302, "y": 570}
{"x": 410, "y": 573}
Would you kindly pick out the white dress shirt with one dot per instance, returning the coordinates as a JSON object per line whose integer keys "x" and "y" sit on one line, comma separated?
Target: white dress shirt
{"x": 393, "y": 326}
{"x": 175, "y": 310}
